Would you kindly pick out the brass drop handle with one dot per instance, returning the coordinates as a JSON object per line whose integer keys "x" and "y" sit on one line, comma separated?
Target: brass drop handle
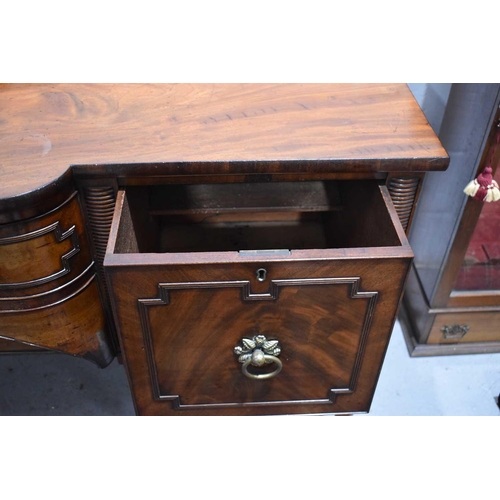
{"x": 455, "y": 332}
{"x": 258, "y": 351}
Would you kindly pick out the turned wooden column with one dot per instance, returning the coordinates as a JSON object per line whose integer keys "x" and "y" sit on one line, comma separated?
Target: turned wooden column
{"x": 404, "y": 193}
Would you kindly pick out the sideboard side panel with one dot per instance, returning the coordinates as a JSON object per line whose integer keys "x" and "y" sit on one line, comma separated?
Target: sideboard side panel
{"x": 49, "y": 297}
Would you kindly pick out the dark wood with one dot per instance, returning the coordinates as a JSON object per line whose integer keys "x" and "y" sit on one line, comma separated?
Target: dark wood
{"x": 418, "y": 349}
{"x": 98, "y": 202}
{"x": 157, "y": 130}
{"x": 179, "y": 320}
{"x": 73, "y": 326}
{"x": 48, "y": 294}
{"x": 404, "y": 193}
{"x": 177, "y": 194}
{"x": 43, "y": 253}
{"x": 176, "y": 366}
{"x": 13, "y": 347}
{"x": 29, "y": 204}
{"x": 277, "y": 216}
{"x": 262, "y": 196}
{"x": 320, "y": 359}
{"x": 365, "y": 207}
{"x": 483, "y": 327}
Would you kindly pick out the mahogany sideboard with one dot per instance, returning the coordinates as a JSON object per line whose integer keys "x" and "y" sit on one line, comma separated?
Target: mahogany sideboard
{"x": 241, "y": 247}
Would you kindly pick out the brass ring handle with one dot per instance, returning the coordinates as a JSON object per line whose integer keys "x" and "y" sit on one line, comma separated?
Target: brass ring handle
{"x": 267, "y": 359}
{"x": 258, "y": 351}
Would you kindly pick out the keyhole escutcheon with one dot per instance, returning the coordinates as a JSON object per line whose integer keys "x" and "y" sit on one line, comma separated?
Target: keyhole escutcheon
{"x": 261, "y": 274}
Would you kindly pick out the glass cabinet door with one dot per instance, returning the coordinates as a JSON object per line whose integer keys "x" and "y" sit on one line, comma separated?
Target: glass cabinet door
{"x": 480, "y": 269}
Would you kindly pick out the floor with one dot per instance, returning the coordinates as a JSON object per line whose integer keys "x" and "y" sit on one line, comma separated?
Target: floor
{"x": 440, "y": 385}
{"x": 54, "y": 384}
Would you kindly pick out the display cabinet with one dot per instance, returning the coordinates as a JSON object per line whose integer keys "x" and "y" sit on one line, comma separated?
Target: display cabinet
{"x": 452, "y": 301}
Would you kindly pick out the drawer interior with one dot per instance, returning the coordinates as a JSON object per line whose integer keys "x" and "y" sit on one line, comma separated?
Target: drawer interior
{"x": 254, "y": 216}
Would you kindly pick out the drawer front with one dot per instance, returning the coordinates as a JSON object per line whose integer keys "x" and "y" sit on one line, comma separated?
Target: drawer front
{"x": 180, "y": 325}
{"x": 42, "y": 254}
{"x": 75, "y": 326}
{"x": 9, "y": 346}
{"x": 465, "y": 327}
{"x": 211, "y": 282}
{"x": 49, "y": 297}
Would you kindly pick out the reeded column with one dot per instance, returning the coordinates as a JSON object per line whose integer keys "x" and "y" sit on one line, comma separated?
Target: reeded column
{"x": 403, "y": 192}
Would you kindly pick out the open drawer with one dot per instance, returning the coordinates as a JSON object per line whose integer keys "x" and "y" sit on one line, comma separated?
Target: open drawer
{"x": 255, "y": 298}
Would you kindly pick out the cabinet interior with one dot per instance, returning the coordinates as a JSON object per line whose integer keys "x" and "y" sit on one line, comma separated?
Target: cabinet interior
{"x": 254, "y": 216}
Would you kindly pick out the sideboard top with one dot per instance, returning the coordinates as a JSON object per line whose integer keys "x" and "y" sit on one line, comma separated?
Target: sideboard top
{"x": 209, "y": 128}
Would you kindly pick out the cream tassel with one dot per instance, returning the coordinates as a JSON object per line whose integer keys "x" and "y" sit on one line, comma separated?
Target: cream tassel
{"x": 493, "y": 192}
{"x": 483, "y": 187}
{"x": 471, "y": 188}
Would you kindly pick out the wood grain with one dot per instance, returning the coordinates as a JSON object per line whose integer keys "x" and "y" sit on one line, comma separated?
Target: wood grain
{"x": 194, "y": 357}
{"x": 483, "y": 327}
{"x": 44, "y": 253}
{"x": 76, "y": 326}
{"x": 209, "y": 129}
{"x": 417, "y": 349}
{"x": 319, "y": 327}
{"x": 180, "y": 315}
{"x": 12, "y": 347}
{"x": 474, "y": 298}
{"x": 48, "y": 293}
{"x": 98, "y": 138}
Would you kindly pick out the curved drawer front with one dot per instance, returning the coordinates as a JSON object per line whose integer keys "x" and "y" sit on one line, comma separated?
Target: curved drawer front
{"x": 49, "y": 296}
{"x": 76, "y": 326}
{"x": 41, "y": 255}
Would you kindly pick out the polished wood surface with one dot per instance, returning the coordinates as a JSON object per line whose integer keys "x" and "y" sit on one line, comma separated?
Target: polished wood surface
{"x": 483, "y": 327}
{"x": 12, "y": 347}
{"x": 474, "y": 298}
{"x": 404, "y": 193}
{"x": 419, "y": 349}
{"x": 75, "y": 326}
{"x": 180, "y": 315}
{"x": 138, "y": 159}
{"x": 98, "y": 204}
{"x": 48, "y": 292}
{"x": 325, "y": 354}
{"x": 210, "y": 129}
{"x": 44, "y": 253}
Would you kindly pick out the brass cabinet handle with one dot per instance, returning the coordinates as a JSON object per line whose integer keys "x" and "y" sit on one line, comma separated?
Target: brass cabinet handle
{"x": 259, "y": 351}
{"x": 455, "y": 331}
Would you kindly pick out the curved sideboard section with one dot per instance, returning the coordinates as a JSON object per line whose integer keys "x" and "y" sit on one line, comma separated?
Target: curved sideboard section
{"x": 49, "y": 295}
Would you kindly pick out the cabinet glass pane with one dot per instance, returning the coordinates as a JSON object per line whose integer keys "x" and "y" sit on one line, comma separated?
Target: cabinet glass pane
{"x": 481, "y": 267}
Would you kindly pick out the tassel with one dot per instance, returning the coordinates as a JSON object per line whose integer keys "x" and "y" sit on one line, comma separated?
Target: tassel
{"x": 493, "y": 192}
{"x": 471, "y": 188}
{"x": 483, "y": 188}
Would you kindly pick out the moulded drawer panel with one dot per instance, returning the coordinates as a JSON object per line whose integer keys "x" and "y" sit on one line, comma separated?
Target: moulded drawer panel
{"x": 180, "y": 326}
{"x": 180, "y": 315}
